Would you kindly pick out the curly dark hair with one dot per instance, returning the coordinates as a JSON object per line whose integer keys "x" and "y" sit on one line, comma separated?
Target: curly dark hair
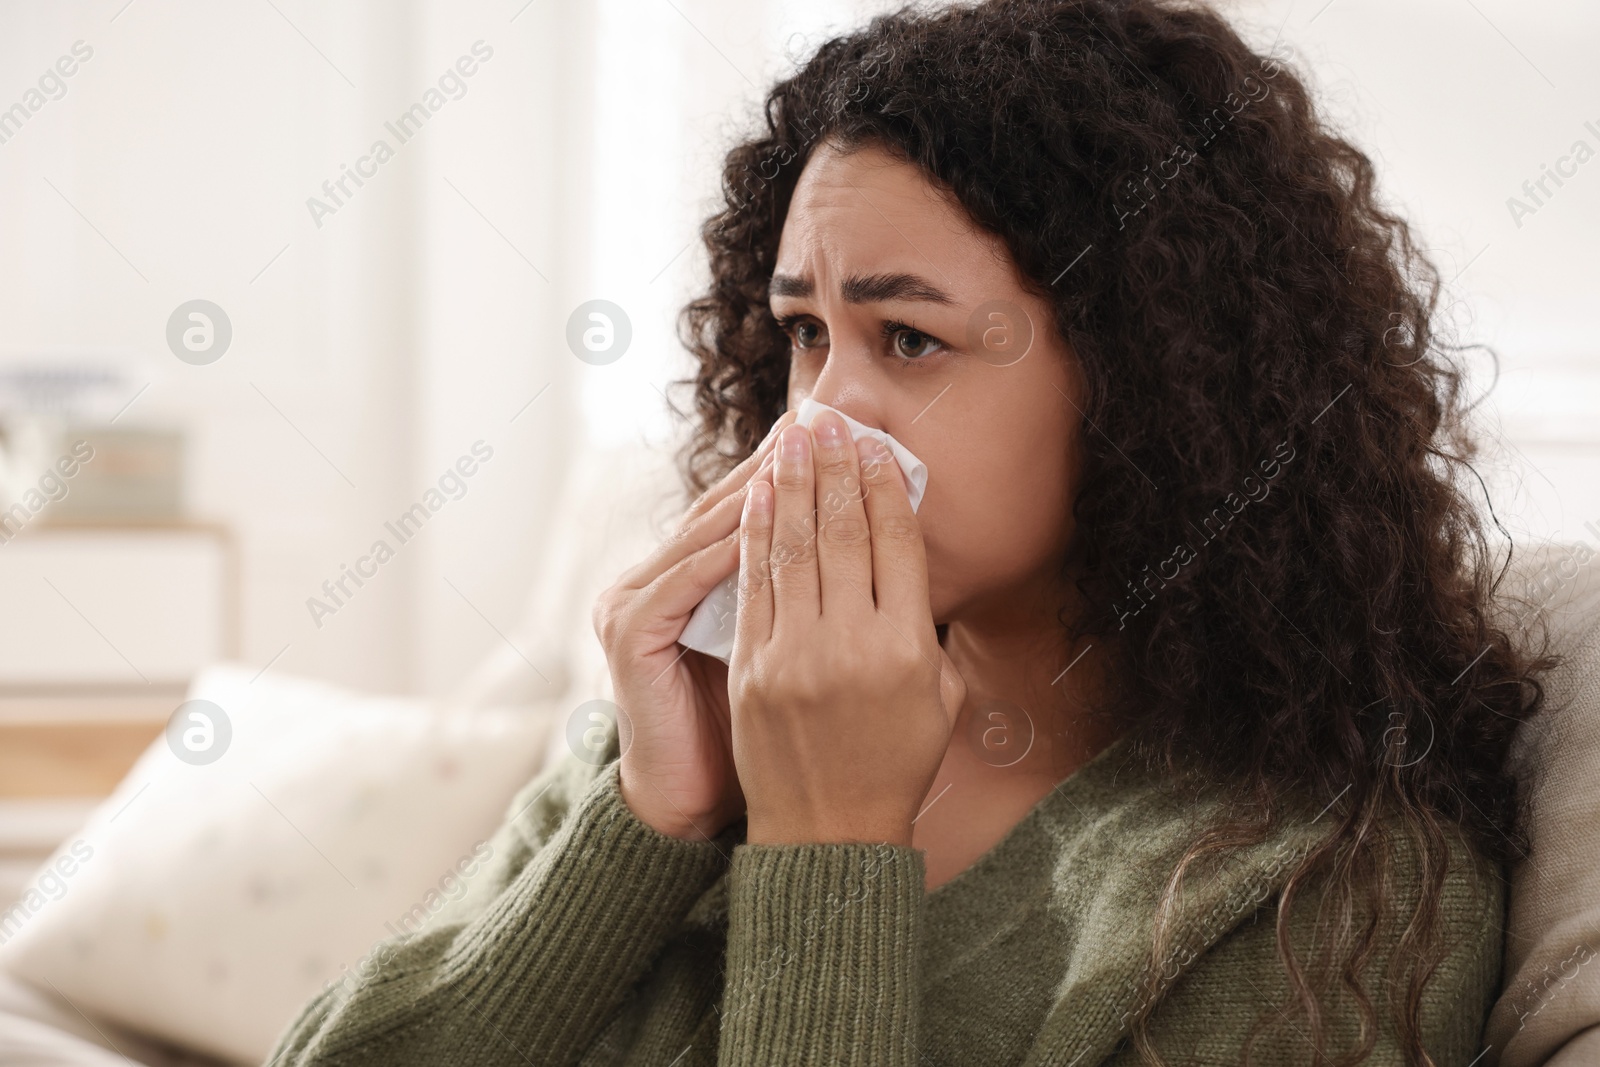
{"x": 1251, "y": 322}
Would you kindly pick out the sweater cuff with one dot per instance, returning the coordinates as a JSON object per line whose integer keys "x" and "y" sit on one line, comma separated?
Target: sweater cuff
{"x": 620, "y": 874}
{"x": 591, "y": 912}
{"x": 822, "y": 954}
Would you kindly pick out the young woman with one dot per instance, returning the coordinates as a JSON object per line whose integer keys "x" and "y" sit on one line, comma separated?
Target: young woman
{"x": 1170, "y": 728}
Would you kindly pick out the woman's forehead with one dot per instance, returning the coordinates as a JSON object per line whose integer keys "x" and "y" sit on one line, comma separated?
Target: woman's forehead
{"x": 866, "y": 214}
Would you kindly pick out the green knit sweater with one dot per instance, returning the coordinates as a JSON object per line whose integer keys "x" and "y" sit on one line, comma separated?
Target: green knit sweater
{"x": 594, "y": 939}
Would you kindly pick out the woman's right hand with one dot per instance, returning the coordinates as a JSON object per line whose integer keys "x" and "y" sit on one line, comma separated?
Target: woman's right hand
{"x": 677, "y": 771}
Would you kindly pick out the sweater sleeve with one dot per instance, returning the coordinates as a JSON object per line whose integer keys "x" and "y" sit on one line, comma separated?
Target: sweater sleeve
{"x": 536, "y": 974}
{"x": 821, "y": 964}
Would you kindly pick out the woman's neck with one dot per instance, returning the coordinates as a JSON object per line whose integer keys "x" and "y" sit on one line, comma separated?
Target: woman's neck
{"x": 1026, "y": 725}
{"x": 1026, "y": 679}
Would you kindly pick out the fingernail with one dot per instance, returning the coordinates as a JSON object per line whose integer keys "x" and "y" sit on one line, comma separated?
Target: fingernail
{"x": 792, "y": 444}
{"x": 759, "y": 502}
{"x": 876, "y": 450}
{"x": 829, "y": 430}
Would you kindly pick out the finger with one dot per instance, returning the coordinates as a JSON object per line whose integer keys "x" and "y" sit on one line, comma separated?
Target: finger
{"x": 899, "y": 561}
{"x": 844, "y": 547}
{"x": 735, "y": 480}
{"x": 795, "y": 594}
{"x": 678, "y": 591}
{"x": 765, "y": 470}
{"x": 721, "y": 521}
{"x": 713, "y": 516}
{"x": 753, "y": 627}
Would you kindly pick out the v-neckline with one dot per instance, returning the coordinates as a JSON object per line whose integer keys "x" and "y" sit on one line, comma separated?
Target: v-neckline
{"x": 971, "y": 878}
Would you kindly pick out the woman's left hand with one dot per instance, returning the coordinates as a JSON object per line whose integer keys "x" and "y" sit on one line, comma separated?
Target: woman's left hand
{"x": 842, "y": 700}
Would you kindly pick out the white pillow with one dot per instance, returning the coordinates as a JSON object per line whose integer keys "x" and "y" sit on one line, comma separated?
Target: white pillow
{"x": 205, "y": 903}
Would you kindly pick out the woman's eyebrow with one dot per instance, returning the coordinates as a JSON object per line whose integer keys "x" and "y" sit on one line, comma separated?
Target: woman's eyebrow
{"x": 788, "y": 285}
{"x": 877, "y": 287}
{"x": 866, "y": 289}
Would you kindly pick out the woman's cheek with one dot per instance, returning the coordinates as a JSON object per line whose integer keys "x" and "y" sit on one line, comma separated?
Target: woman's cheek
{"x": 944, "y": 568}
{"x": 941, "y": 601}
{"x": 966, "y": 543}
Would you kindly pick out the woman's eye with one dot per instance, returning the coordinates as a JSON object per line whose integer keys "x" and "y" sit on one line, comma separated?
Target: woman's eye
{"x": 808, "y": 333}
{"x": 913, "y": 344}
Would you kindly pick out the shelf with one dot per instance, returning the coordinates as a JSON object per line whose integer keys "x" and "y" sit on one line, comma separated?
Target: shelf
{"x": 76, "y": 744}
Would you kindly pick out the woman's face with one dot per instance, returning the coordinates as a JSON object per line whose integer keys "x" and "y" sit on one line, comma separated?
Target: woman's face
{"x": 904, "y": 315}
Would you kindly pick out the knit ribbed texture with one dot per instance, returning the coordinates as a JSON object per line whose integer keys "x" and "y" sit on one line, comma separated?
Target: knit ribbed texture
{"x": 592, "y": 939}
{"x": 574, "y": 929}
{"x": 822, "y": 951}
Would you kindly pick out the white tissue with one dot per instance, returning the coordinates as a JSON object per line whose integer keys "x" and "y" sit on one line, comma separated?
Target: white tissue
{"x": 712, "y": 625}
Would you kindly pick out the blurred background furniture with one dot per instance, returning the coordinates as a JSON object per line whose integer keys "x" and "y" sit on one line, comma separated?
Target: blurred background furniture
{"x": 216, "y": 899}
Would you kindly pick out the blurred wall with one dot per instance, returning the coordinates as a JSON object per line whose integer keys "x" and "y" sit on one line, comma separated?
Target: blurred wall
{"x": 1460, "y": 102}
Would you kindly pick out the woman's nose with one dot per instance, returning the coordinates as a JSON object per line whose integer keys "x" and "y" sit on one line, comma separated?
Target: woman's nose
{"x": 847, "y": 387}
